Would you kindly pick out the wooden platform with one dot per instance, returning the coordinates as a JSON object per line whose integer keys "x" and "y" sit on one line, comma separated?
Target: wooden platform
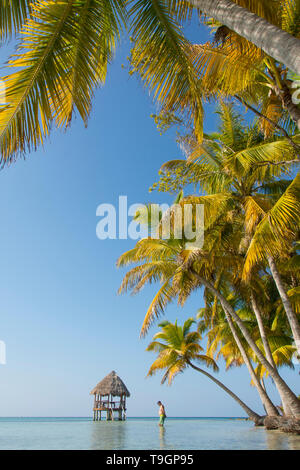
{"x": 110, "y": 414}
{"x": 107, "y": 409}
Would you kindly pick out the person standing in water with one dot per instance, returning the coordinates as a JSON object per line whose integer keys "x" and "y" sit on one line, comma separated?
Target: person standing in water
{"x": 161, "y": 413}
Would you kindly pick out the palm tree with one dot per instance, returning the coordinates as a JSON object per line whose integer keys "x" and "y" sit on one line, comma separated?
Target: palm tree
{"x": 58, "y": 71}
{"x": 284, "y": 391}
{"x": 232, "y": 66}
{"x": 166, "y": 261}
{"x": 234, "y": 168}
{"x": 271, "y": 332}
{"x": 254, "y": 29}
{"x": 214, "y": 177}
{"x": 220, "y": 170}
{"x": 178, "y": 348}
{"x": 63, "y": 56}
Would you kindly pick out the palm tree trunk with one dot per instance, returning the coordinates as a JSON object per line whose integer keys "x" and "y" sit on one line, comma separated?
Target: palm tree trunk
{"x": 263, "y": 385}
{"x": 266, "y": 345}
{"x": 252, "y": 415}
{"x": 270, "y": 408}
{"x": 290, "y": 398}
{"x": 275, "y": 42}
{"x": 262, "y": 330}
{"x": 292, "y": 318}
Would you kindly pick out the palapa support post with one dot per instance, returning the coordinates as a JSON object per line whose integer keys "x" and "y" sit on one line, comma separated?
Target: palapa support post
{"x": 106, "y": 394}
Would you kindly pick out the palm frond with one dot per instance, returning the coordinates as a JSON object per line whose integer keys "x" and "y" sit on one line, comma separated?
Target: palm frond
{"x": 13, "y": 14}
{"x": 208, "y": 361}
{"x": 57, "y": 70}
{"x": 268, "y": 154}
{"x": 160, "y": 56}
{"x": 226, "y": 70}
{"x": 277, "y": 226}
{"x": 157, "y": 307}
{"x": 290, "y": 17}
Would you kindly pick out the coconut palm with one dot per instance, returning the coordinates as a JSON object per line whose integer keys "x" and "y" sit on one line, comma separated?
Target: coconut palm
{"x": 179, "y": 348}
{"x": 63, "y": 56}
{"x": 234, "y": 169}
{"x": 220, "y": 171}
{"x": 233, "y": 66}
{"x": 272, "y": 337}
{"x": 242, "y": 22}
{"x": 231, "y": 315}
{"x": 213, "y": 178}
{"x": 179, "y": 274}
{"x": 58, "y": 71}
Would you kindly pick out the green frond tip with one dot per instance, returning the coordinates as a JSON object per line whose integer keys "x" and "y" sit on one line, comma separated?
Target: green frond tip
{"x": 161, "y": 57}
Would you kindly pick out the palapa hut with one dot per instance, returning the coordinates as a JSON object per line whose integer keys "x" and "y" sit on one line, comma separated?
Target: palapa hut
{"x": 110, "y": 396}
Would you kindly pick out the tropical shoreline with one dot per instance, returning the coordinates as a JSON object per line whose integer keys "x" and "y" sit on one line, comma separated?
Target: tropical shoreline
{"x": 186, "y": 196}
{"x": 179, "y": 433}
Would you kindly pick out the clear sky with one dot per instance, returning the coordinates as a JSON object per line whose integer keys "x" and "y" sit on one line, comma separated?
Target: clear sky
{"x": 63, "y": 323}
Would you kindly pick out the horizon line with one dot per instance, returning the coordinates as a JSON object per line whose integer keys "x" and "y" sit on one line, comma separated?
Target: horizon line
{"x": 152, "y": 417}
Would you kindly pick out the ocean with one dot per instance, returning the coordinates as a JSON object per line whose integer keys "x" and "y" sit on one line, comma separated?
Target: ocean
{"x": 140, "y": 433}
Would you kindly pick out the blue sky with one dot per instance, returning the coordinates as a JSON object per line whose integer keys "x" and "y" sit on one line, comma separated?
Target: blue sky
{"x": 62, "y": 321}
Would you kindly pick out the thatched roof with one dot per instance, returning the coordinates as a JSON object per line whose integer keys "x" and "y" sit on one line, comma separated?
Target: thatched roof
{"x": 111, "y": 384}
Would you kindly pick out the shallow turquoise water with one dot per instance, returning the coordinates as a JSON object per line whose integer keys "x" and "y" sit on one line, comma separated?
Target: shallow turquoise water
{"x": 139, "y": 433}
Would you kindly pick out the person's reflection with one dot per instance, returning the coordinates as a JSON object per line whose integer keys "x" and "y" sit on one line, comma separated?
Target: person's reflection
{"x": 108, "y": 435}
{"x": 162, "y": 437}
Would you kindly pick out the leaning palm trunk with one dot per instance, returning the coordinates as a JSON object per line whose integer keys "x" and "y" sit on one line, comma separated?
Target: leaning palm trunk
{"x": 290, "y": 398}
{"x": 293, "y": 321}
{"x": 270, "y": 408}
{"x": 266, "y": 345}
{"x": 275, "y": 42}
{"x": 252, "y": 415}
{"x": 262, "y": 330}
